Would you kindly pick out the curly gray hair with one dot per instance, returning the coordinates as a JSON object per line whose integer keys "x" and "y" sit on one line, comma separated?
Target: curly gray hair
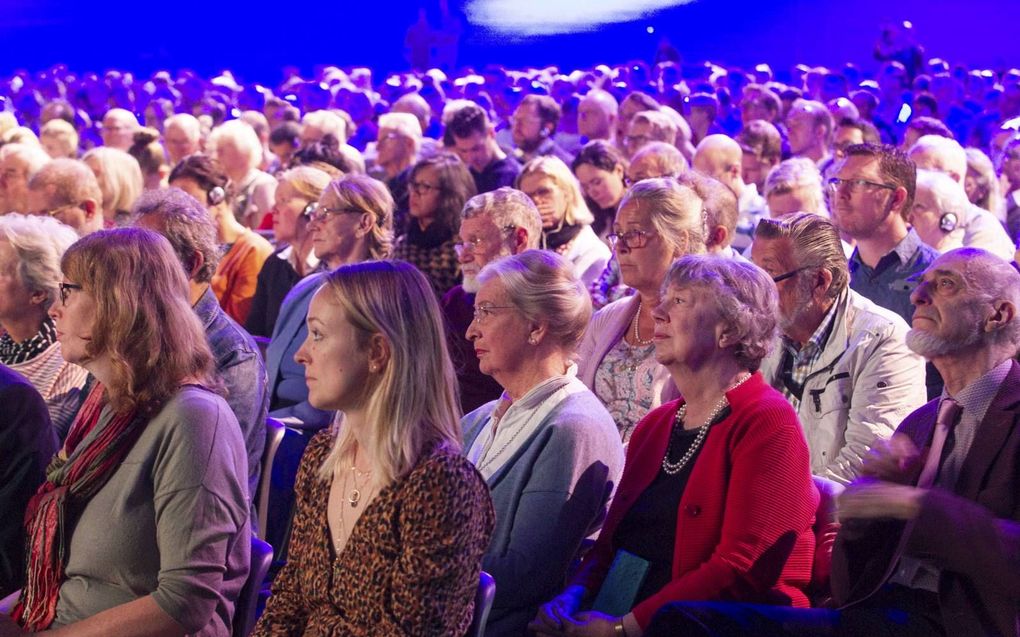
{"x": 38, "y": 243}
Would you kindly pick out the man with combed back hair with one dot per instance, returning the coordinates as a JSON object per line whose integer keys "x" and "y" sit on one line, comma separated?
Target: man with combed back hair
{"x": 842, "y": 361}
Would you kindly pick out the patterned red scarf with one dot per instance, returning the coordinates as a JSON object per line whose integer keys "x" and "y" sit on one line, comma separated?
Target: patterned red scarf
{"x": 73, "y": 477}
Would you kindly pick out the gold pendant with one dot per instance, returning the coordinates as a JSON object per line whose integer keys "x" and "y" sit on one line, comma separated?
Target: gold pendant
{"x": 354, "y": 498}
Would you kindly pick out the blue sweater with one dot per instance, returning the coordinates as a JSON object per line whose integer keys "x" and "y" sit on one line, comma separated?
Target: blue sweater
{"x": 550, "y": 496}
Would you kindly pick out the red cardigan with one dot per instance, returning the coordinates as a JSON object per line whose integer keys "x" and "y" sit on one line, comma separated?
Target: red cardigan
{"x": 744, "y": 523}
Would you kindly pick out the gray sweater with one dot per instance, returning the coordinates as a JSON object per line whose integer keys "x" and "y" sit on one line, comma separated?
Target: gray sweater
{"x": 550, "y": 496}
{"x": 172, "y": 521}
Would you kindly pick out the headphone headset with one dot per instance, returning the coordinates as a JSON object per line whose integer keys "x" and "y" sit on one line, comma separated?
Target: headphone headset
{"x": 948, "y": 222}
{"x": 310, "y": 209}
{"x": 216, "y": 195}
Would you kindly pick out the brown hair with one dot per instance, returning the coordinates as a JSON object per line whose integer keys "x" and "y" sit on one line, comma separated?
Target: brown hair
{"x": 145, "y": 322}
{"x": 148, "y": 151}
{"x": 894, "y": 166}
{"x": 456, "y": 183}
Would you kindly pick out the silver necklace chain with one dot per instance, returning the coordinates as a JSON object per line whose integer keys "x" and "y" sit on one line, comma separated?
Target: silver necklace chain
{"x": 673, "y": 468}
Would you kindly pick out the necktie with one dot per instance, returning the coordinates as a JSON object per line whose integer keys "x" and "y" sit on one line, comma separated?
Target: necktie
{"x": 949, "y": 412}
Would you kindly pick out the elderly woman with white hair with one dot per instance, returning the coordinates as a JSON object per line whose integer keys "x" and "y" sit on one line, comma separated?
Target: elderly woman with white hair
{"x": 566, "y": 220}
{"x": 659, "y": 221}
{"x": 237, "y": 148}
{"x": 716, "y": 501}
{"x": 547, "y": 448}
{"x": 18, "y": 164}
{"x": 120, "y": 180}
{"x": 30, "y": 252}
{"x": 941, "y": 209}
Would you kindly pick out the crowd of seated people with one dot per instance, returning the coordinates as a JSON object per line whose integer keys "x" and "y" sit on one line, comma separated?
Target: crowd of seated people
{"x": 617, "y": 337}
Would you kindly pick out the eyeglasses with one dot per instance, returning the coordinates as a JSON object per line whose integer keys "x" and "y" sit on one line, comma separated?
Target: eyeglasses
{"x": 485, "y": 311}
{"x": 421, "y": 188}
{"x": 320, "y": 213}
{"x": 790, "y": 274}
{"x": 835, "y": 183}
{"x": 632, "y": 239}
{"x": 473, "y": 244}
{"x": 65, "y": 291}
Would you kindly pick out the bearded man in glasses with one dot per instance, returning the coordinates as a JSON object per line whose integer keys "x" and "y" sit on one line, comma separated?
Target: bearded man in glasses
{"x": 841, "y": 360}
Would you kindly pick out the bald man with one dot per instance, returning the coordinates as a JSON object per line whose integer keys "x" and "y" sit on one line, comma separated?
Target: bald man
{"x": 596, "y": 115}
{"x": 809, "y": 125}
{"x": 119, "y": 127}
{"x": 980, "y": 228}
{"x": 719, "y": 157}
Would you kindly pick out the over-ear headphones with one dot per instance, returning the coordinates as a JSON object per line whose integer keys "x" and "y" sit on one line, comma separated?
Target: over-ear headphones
{"x": 310, "y": 209}
{"x": 216, "y": 195}
{"x": 948, "y": 222}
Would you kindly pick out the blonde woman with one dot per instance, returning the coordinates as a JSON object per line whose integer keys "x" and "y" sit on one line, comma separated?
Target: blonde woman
{"x": 296, "y": 198}
{"x": 566, "y": 220}
{"x": 391, "y": 521}
{"x": 120, "y": 180}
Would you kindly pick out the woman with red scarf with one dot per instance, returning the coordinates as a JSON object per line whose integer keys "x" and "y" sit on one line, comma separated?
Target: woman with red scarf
{"x": 141, "y": 527}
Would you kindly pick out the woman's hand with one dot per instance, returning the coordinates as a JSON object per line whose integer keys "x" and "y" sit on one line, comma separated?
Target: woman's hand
{"x": 554, "y": 616}
{"x": 592, "y": 624}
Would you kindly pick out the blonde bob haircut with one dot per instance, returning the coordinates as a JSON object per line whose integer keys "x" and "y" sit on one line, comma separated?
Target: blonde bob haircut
{"x": 307, "y": 182}
{"x": 143, "y": 317}
{"x": 119, "y": 176}
{"x": 413, "y": 403}
{"x": 544, "y": 289}
{"x": 371, "y": 196}
{"x": 677, "y": 211}
{"x": 554, "y": 168}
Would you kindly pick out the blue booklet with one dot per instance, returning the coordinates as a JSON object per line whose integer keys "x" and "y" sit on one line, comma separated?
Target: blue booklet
{"x": 623, "y": 581}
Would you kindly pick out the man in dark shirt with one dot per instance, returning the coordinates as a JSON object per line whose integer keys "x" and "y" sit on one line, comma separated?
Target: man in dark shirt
{"x": 474, "y": 140}
{"x": 493, "y": 225}
{"x": 534, "y": 124}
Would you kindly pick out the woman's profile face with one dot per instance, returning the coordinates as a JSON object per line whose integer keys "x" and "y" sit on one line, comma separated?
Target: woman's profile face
{"x": 74, "y": 314}
{"x": 337, "y": 232}
{"x": 602, "y": 186}
{"x": 499, "y": 333}
{"x": 549, "y": 198}
{"x": 287, "y": 209}
{"x": 425, "y": 190}
{"x": 334, "y": 356}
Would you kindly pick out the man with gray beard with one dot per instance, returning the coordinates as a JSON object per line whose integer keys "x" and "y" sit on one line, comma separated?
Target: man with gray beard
{"x": 930, "y": 540}
{"x": 841, "y": 360}
{"x": 494, "y": 224}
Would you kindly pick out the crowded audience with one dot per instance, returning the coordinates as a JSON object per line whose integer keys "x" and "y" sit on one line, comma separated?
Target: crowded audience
{"x": 659, "y": 349}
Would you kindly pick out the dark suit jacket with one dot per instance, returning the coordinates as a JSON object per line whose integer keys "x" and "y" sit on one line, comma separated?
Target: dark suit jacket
{"x": 972, "y": 533}
{"x": 27, "y": 442}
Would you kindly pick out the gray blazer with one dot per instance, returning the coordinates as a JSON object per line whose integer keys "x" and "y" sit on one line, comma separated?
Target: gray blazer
{"x": 552, "y": 494}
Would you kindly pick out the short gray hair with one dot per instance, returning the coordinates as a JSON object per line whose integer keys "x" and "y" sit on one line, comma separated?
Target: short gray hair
{"x": 507, "y": 207}
{"x": 39, "y": 243}
{"x": 816, "y": 244}
{"x": 666, "y": 158}
{"x": 949, "y": 195}
{"x": 186, "y": 224}
{"x": 71, "y": 181}
{"x": 543, "y": 287}
{"x": 662, "y": 127}
{"x": 797, "y": 173}
{"x": 744, "y": 295}
{"x": 243, "y": 137}
{"x": 674, "y": 209}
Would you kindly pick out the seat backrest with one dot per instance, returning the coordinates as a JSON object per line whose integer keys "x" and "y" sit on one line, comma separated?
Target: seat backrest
{"x": 274, "y": 436}
{"x": 248, "y": 600}
{"x": 825, "y": 529}
{"x": 483, "y": 604}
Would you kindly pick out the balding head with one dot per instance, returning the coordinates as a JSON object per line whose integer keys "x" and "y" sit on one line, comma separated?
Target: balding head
{"x": 720, "y": 157}
{"x": 68, "y": 190}
{"x": 596, "y": 114}
{"x": 941, "y": 154}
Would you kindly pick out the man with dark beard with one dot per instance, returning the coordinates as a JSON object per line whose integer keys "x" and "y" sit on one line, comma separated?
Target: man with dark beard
{"x": 842, "y": 360}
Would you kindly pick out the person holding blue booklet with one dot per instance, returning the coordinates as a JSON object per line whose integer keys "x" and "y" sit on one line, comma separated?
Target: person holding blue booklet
{"x": 716, "y": 501}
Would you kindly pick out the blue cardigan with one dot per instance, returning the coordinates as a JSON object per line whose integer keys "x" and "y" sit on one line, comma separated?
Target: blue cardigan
{"x": 550, "y": 496}
{"x": 288, "y": 391}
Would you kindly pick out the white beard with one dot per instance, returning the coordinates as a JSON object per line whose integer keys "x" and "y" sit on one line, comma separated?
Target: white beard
{"x": 470, "y": 283}
{"x": 931, "y": 345}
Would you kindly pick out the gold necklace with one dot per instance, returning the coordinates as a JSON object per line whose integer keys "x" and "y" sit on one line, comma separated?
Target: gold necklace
{"x": 355, "y": 497}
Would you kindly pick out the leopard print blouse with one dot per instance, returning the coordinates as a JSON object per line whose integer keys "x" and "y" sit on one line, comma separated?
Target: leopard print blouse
{"x": 410, "y": 567}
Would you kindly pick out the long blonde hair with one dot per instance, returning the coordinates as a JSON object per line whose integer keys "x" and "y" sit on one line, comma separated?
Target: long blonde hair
{"x": 413, "y": 402}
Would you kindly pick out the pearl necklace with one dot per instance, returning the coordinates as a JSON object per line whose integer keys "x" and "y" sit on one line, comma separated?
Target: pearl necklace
{"x": 637, "y": 332}
{"x": 673, "y": 468}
